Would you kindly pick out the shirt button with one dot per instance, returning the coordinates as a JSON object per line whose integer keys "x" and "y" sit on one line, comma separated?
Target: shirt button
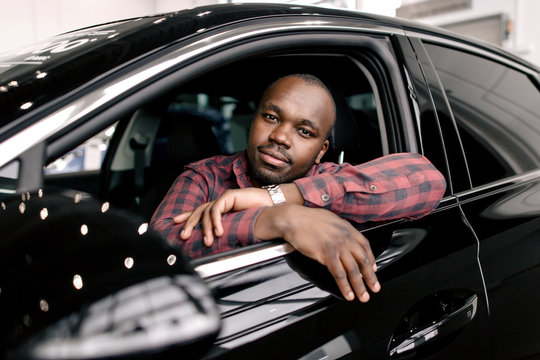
{"x": 325, "y": 197}
{"x": 372, "y": 187}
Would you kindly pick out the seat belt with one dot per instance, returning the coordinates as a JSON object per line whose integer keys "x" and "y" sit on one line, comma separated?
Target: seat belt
{"x": 138, "y": 144}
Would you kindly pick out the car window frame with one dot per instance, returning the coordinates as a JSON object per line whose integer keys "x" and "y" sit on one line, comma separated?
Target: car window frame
{"x": 486, "y": 52}
{"x": 98, "y": 117}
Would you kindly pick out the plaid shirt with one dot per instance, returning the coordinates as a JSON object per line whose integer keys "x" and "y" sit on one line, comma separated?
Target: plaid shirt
{"x": 395, "y": 186}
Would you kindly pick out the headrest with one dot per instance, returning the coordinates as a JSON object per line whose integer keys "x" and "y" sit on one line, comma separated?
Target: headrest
{"x": 343, "y": 136}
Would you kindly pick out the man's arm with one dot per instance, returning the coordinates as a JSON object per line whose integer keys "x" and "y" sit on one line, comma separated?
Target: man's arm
{"x": 316, "y": 233}
{"x": 395, "y": 186}
{"x": 327, "y": 238}
{"x": 189, "y": 192}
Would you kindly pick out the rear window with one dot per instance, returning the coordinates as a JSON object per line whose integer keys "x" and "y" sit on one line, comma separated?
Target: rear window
{"x": 497, "y": 111}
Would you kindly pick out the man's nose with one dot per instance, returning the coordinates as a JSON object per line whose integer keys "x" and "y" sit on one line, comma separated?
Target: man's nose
{"x": 281, "y": 135}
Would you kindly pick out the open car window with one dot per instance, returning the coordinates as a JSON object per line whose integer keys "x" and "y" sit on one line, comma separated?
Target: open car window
{"x": 211, "y": 114}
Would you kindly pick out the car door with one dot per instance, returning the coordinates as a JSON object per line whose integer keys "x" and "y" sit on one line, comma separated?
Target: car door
{"x": 432, "y": 305}
{"x": 495, "y": 104}
{"x": 275, "y": 302}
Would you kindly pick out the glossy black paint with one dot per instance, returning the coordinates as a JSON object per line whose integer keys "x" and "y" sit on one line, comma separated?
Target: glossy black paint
{"x": 103, "y": 48}
{"x": 470, "y": 268}
{"x": 76, "y": 274}
{"x": 51, "y": 69}
{"x": 507, "y": 224}
{"x": 433, "y": 278}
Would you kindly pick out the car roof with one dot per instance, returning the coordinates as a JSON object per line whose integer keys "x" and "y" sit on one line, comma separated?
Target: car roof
{"x": 36, "y": 74}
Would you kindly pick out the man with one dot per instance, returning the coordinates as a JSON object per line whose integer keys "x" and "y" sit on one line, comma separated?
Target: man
{"x": 288, "y": 137}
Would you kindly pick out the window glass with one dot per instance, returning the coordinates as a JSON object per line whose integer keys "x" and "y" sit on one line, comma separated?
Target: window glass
{"x": 229, "y": 117}
{"x": 497, "y": 111}
{"x": 85, "y": 157}
{"x": 8, "y": 178}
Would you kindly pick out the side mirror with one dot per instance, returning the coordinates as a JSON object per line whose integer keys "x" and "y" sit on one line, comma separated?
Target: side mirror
{"x": 81, "y": 280}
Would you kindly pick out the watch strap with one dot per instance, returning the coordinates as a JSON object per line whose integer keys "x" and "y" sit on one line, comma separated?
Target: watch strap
{"x": 275, "y": 194}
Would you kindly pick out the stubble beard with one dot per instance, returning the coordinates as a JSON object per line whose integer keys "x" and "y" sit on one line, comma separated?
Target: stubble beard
{"x": 265, "y": 176}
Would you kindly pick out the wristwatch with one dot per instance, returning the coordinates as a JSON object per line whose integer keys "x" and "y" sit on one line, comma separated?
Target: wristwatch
{"x": 275, "y": 193}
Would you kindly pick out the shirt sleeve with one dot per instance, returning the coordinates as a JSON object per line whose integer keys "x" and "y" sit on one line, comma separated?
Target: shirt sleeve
{"x": 188, "y": 192}
{"x": 404, "y": 185}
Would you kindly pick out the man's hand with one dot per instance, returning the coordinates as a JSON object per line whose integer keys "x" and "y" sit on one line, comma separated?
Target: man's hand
{"x": 209, "y": 214}
{"x": 327, "y": 238}
{"x": 316, "y": 233}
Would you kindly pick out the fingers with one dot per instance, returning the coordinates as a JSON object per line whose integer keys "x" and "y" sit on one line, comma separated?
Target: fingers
{"x": 182, "y": 217}
{"x": 352, "y": 265}
{"x": 200, "y": 215}
{"x": 193, "y": 219}
{"x": 350, "y": 278}
{"x": 364, "y": 243}
{"x": 340, "y": 276}
{"x": 355, "y": 277}
{"x": 206, "y": 227}
{"x": 365, "y": 262}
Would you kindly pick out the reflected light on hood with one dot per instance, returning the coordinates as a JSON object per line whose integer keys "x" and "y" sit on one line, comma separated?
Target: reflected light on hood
{"x": 43, "y": 305}
{"x": 77, "y": 282}
{"x": 129, "y": 262}
{"x": 171, "y": 259}
{"x": 44, "y": 213}
{"x": 143, "y": 228}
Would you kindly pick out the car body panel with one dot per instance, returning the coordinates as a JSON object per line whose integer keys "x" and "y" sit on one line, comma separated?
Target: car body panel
{"x": 444, "y": 290}
{"x": 72, "y": 279}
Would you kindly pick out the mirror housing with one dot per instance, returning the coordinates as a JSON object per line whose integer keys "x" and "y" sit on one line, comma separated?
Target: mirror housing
{"x": 82, "y": 280}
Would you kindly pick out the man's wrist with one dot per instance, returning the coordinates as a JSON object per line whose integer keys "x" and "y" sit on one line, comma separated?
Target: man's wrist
{"x": 272, "y": 222}
{"x": 276, "y": 194}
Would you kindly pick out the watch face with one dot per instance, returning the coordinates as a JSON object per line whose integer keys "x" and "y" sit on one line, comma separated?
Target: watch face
{"x": 275, "y": 193}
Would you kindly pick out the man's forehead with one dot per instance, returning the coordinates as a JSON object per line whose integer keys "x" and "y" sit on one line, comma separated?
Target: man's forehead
{"x": 293, "y": 83}
{"x": 309, "y": 93}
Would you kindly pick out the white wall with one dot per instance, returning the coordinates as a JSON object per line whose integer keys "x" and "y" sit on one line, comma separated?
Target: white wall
{"x": 524, "y": 15}
{"x": 27, "y": 21}
{"x": 527, "y": 30}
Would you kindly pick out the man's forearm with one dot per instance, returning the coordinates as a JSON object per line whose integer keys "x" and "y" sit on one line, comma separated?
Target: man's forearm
{"x": 292, "y": 194}
{"x": 238, "y": 230}
{"x": 271, "y": 223}
{"x": 395, "y": 186}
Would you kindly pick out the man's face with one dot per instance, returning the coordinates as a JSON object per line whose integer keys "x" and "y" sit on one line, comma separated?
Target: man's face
{"x": 288, "y": 133}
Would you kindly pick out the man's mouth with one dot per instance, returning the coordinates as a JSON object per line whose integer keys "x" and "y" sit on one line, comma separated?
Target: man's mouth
{"x": 273, "y": 157}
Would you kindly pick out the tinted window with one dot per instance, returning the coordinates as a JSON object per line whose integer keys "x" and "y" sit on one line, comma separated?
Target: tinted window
{"x": 497, "y": 110}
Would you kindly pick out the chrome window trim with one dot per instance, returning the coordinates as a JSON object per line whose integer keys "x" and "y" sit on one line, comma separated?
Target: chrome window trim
{"x": 497, "y": 186}
{"x": 13, "y": 147}
{"x": 229, "y": 263}
{"x": 235, "y": 262}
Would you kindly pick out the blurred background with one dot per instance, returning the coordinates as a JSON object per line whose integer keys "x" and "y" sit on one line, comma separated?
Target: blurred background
{"x": 511, "y": 24}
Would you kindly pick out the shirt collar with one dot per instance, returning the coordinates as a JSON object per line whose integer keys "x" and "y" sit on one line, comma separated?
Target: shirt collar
{"x": 240, "y": 168}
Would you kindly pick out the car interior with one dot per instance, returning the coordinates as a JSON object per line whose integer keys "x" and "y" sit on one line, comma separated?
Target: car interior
{"x": 209, "y": 115}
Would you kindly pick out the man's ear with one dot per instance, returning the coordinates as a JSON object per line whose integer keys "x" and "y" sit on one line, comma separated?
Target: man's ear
{"x": 324, "y": 147}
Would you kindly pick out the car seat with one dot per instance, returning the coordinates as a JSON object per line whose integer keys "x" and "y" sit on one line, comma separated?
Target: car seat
{"x": 355, "y": 137}
{"x": 183, "y": 137}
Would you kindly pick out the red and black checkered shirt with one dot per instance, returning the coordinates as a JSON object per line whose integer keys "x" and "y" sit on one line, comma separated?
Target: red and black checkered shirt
{"x": 404, "y": 185}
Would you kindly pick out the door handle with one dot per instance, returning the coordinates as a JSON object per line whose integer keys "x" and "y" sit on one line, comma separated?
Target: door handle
{"x": 402, "y": 242}
{"x": 445, "y": 326}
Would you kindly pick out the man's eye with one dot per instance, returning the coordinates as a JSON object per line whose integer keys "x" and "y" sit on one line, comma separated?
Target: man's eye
{"x": 270, "y": 117}
{"x": 305, "y": 132}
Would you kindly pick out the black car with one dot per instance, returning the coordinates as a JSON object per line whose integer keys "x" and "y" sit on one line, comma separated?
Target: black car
{"x": 95, "y": 125}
